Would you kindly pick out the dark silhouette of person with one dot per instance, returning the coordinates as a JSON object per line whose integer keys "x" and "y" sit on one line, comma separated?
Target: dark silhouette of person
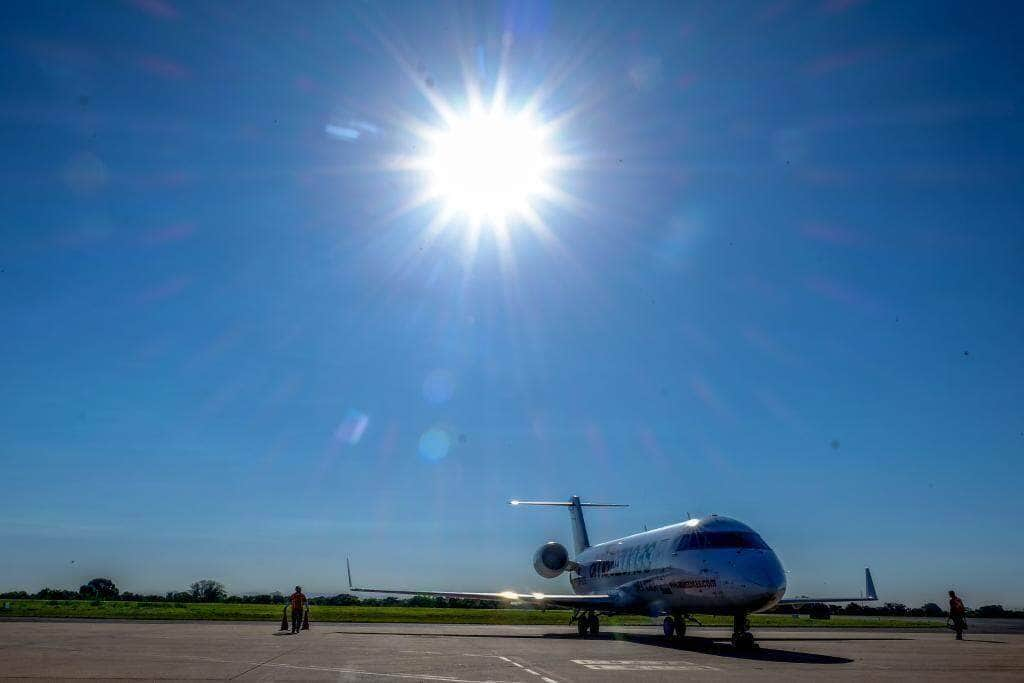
{"x": 298, "y": 600}
{"x": 958, "y": 613}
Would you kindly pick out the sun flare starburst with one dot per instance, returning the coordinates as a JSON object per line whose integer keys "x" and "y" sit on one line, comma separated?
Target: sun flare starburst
{"x": 487, "y": 168}
{"x": 488, "y": 165}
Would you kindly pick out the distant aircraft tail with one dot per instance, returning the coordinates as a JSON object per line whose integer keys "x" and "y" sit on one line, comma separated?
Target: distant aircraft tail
{"x": 869, "y": 585}
{"x": 579, "y": 527}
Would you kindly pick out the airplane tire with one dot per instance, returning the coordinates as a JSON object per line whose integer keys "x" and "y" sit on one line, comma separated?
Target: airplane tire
{"x": 744, "y": 641}
{"x": 582, "y": 625}
{"x": 668, "y": 626}
{"x": 595, "y": 625}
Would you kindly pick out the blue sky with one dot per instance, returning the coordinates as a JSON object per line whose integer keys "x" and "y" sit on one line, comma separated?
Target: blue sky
{"x": 787, "y": 288}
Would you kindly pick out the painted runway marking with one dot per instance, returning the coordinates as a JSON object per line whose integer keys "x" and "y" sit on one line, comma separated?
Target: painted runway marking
{"x": 501, "y": 657}
{"x": 422, "y": 677}
{"x": 529, "y": 671}
{"x": 510, "y": 661}
{"x": 259, "y": 665}
{"x": 643, "y": 665}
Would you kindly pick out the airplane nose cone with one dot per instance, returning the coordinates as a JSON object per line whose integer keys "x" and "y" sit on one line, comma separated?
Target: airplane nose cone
{"x": 765, "y": 571}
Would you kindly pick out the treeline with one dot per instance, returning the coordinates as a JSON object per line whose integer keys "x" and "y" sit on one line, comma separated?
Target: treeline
{"x": 208, "y": 590}
{"x": 894, "y": 609}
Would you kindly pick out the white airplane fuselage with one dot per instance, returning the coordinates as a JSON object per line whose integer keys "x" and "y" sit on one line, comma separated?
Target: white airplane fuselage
{"x": 713, "y": 565}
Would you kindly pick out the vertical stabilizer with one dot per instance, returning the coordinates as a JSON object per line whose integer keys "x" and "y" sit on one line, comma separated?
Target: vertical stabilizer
{"x": 579, "y": 527}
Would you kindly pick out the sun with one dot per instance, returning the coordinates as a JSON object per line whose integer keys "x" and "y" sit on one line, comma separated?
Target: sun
{"x": 488, "y": 165}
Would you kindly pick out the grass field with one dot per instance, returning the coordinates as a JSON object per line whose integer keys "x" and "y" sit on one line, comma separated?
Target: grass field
{"x": 423, "y": 615}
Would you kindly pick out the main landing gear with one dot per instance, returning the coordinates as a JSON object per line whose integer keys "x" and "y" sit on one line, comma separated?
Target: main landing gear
{"x": 742, "y": 638}
{"x": 588, "y": 622}
{"x": 674, "y": 625}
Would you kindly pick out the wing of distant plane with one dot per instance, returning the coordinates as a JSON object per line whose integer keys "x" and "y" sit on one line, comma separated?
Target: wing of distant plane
{"x": 869, "y": 594}
{"x": 539, "y": 599}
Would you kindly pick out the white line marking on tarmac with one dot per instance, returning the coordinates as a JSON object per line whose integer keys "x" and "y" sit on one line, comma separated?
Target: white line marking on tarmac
{"x": 529, "y": 671}
{"x": 258, "y": 665}
{"x": 643, "y": 665}
{"x": 424, "y": 677}
{"x": 501, "y": 657}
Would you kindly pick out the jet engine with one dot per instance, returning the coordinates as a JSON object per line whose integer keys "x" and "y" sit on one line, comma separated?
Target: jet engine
{"x": 551, "y": 559}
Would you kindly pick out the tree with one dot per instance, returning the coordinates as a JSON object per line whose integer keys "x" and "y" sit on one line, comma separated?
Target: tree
{"x": 896, "y": 609}
{"x": 930, "y": 609}
{"x": 991, "y": 611}
{"x": 207, "y": 590}
{"x": 100, "y": 589}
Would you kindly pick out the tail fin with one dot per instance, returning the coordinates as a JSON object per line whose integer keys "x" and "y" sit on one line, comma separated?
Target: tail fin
{"x": 869, "y": 585}
{"x": 579, "y": 527}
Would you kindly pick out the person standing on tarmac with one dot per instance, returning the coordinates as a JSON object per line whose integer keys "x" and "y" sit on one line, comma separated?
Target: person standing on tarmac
{"x": 298, "y": 600}
{"x": 958, "y": 613}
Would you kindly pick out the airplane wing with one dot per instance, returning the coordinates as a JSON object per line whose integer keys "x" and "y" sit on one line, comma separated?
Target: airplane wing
{"x": 870, "y": 595}
{"x": 539, "y": 599}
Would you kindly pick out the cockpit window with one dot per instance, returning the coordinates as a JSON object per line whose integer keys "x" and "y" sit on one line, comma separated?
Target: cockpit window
{"x": 720, "y": 539}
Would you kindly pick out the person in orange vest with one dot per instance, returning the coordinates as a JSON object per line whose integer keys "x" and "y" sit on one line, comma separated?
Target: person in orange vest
{"x": 298, "y": 600}
{"x": 958, "y": 613}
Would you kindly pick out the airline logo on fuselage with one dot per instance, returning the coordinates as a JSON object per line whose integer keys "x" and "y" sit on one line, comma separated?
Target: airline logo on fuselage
{"x": 660, "y": 584}
{"x": 695, "y": 583}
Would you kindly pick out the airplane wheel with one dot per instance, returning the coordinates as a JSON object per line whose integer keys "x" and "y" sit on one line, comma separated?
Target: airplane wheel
{"x": 668, "y": 626}
{"x": 595, "y": 625}
{"x": 744, "y": 641}
{"x": 581, "y": 626}
{"x": 681, "y": 628}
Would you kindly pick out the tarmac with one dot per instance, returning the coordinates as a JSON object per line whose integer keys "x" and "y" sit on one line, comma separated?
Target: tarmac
{"x": 126, "y": 650}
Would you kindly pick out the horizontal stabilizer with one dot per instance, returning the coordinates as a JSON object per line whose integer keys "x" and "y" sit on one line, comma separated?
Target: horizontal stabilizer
{"x": 581, "y": 540}
{"x": 568, "y": 504}
{"x": 870, "y": 595}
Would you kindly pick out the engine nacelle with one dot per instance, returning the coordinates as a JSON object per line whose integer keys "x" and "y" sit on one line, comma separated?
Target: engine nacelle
{"x": 551, "y": 559}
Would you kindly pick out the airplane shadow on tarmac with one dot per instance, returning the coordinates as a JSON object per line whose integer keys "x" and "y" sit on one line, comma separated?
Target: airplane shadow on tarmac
{"x": 688, "y": 644}
{"x": 710, "y": 646}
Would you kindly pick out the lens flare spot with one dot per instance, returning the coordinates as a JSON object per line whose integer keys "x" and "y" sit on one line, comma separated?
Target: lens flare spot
{"x": 351, "y": 429}
{"x": 434, "y": 444}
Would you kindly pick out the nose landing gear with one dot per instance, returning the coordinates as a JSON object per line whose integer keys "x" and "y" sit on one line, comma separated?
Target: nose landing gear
{"x": 675, "y": 624}
{"x": 742, "y": 638}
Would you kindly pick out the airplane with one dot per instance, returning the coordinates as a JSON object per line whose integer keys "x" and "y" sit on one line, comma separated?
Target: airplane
{"x": 711, "y": 565}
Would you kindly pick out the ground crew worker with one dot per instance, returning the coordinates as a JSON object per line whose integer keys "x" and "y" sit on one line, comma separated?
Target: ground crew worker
{"x": 298, "y": 600}
{"x": 958, "y": 613}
